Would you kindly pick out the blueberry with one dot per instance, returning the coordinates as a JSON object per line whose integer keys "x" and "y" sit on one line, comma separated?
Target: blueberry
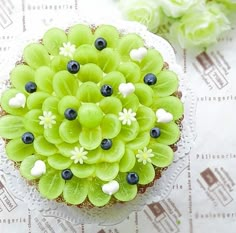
{"x": 30, "y": 87}
{"x": 155, "y": 132}
{"x": 70, "y": 114}
{"x": 132, "y": 178}
{"x": 100, "y": 43}
{"x": 73, "y": 67}
{"x": 150, "y": 79}
{"x": 27, "y": 138}
{"x": 66, "y": 174}
{"x": 106, "y": 144}
{"x": 106, "y": 90}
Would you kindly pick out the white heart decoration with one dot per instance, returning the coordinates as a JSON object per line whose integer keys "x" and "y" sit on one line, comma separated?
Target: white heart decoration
{"x": 18, "y": 101}
{"x": 111, "y": 187}
{"x": 138, "y": 54}
{"x": 163, "y": 116}
{"x": 38, "y": 169}
{"x": 126, "y": 88}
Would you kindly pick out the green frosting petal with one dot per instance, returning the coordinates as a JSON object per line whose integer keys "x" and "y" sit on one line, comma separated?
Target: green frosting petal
{"x": 6, "y": 96}
{"x": 43, "y": 147}
{"x": 167, "y": 83}
{"x": 53, "y": 39}
{"x": 108, "y": 60}
{"x": 171, "y": 104}
{"x": 146, "y": 118}
{"x": 43, "y": 79}
{"x": 145, "y": 172}
{"x": 80, "y": 34}
{"x": 107, "y": 171}
{"x": 110, "y": 126}
{"x": 129, "y": 132}
{"x": 94, "y": 156}
{"x": 52, "y": 134}
{"x": 82, "y": 170}
{"x": 17, "y": 150}
{"x": 115, "y": 153}
{"x": 90, "y": 139}
{"x": 69, "y": 131}
{"x": 114, "y": 79}
{"x": 31, "y": 121}
{"x": 11, "y": 127}
{"x": 51, "y": 105}
{"x": 36, "y": 55}
{"x": 110, "y": 105}
{"x": 95, "y": 194}
{"x": 59, "y": 162}
{"x": 68, "y": 102}
{"x": 140, "y": 141}
{"x": 27, "y": 164}
{"x": 127, "y": 43}
{"x": 89, "y": 92}
{"x": 36, "y": 99}
{"x": 128, "y": 161}
{"x": 75, "y": 191}
{"x": 144, "y": 93}
{"x": 90, "y": 72}
{"x": 51, "y": 184}
{"x": 64, "y": 84}
{"x": 66, "y": 148}
{"x": 59, "y": 63}
{"x": 126, "y": 191}
{"x": 170, "y": 133}
{"x": 130, "y": 102}
{"x": 109, "y": 33}
{"x": 131, "y": 71}
{"x": 21, "y": 75}
{"x": 163, "y": 155}
{"x": 86, "y": 54}
{"x": 152, "y": 62}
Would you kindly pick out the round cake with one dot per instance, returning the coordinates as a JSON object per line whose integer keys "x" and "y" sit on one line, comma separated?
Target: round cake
{"x": 91, "y": 116}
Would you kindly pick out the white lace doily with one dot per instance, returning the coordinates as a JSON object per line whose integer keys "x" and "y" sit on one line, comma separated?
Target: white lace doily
{"x": 111, "y": 214}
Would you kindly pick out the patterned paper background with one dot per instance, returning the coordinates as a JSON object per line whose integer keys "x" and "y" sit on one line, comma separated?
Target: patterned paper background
{"x": 203, "y": 197}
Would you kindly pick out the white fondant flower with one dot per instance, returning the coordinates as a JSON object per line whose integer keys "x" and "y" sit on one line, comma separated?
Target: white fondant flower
{"x": 127, "y": 116}
{"x": 79, "y": 155}
{"x": 145, "y": 155}
{"x": 47, "y": 120}
{"x": 67, "y": 50}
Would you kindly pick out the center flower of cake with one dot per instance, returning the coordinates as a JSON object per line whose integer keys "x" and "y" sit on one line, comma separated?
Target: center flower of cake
{"x": 90, "y": 115}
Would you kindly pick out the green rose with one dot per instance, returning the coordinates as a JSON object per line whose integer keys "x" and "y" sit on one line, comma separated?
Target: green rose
{"x": 145, "y": 12}
{"x": 200, "y": 27}
{"x": 177, "y": 8}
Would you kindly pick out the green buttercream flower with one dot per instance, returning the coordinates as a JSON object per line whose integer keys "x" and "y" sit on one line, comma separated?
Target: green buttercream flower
{"x": 177, "y": 8}
{"x": 200, "y": 27}
{"x": 79, "y": 125}
{"x": 145, "y": 12}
